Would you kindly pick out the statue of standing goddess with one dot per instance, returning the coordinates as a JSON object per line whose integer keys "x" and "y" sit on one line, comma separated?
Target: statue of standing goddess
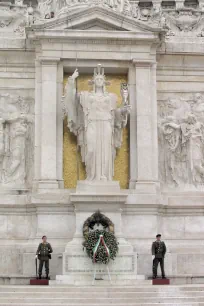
{"x": 97, "y": 122}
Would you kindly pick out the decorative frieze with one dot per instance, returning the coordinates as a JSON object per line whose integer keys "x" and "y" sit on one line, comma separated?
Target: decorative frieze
{"x": 181, "y": 19}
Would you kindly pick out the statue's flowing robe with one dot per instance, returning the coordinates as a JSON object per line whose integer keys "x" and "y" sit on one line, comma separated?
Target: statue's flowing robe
{"x": 97, "y": 123}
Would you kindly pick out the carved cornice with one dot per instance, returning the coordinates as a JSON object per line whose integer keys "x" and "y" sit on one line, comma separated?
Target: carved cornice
{"x": 144, "y": 63}
{"x": 49, "y": 61}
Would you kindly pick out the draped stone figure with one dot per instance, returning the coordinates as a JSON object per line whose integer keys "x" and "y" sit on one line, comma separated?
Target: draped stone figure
{"x": 181, "y": 138}
{"x": 16, "y": 145}
{"x": 97, "y": 122}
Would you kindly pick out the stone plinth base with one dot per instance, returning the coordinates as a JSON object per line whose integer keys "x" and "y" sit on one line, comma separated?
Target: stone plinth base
{"x": 79, "y": 269}
{"x": 98, "y": 187}
{"x": 39, "y": 282}
{"x": 77, "y": 266}
{"x": 103, "y": 281}
{"x": 161, "y": 281}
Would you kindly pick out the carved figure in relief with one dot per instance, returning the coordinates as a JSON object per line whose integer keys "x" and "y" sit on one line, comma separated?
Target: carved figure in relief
{"x": 135, "y": 10}
{"x": 156, "y": 15}
{"x": 15, "y": 147}
{"x": 122, "y": 6}
{"x": 19, "y": 2}
{"x": 97, "y": 122}
{"x": 181, "y": 135}
{"x": 45, "y": 7}
{"x": 197, "y": 105}
{"x": 193, "y": 137}
{"x": 14, "y": 166}
{"x": 173, "y": 153}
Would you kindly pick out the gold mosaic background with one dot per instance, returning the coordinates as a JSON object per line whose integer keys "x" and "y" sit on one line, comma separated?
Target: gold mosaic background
{"x": 72, "y": 158}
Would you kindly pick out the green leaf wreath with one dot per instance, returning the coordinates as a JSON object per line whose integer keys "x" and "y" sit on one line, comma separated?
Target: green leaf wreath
{"x": 101, "y": 245}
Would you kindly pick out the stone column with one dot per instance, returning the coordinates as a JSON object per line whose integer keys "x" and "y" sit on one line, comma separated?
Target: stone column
{"x": 38, "y": 93}
{"x": 46, "y": 161}
{"x": 133, "y": 128}
{"x": 147, "y": 140}
{"x": 60, "y": 84}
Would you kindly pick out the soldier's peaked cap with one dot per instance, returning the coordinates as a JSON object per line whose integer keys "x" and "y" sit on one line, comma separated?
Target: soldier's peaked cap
{"x": 158, "y": 235}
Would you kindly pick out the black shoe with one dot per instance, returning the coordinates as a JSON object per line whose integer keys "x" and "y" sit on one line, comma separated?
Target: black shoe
{"x": 163, "y": 277}
{"x": 47, "y": 276}
{"x": 40, "y": 277}
{"x": 154, "y": 277}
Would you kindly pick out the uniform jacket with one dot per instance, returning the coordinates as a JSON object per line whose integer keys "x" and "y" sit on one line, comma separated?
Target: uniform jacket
{"x": 44, "y": 250}
{"x": 158, "y": 249}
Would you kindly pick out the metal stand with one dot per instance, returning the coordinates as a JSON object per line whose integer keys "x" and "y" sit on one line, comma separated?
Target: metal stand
{"x": 94, "y": 276}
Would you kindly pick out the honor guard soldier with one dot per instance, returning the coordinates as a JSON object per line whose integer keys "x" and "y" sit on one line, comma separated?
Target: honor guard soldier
{"x": 158, "y": 254}
{"x": 44, "y": 255}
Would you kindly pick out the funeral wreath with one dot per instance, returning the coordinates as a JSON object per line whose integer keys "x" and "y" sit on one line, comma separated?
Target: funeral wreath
{"x": 101, "y": 244}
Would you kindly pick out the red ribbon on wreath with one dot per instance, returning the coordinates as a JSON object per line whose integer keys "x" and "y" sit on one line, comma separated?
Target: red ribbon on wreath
{"x": 100, "y": 240}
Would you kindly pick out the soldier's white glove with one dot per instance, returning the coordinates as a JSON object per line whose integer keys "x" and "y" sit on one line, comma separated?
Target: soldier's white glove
{"x": 36, "y": 256}
{"x": 153, "y": 257}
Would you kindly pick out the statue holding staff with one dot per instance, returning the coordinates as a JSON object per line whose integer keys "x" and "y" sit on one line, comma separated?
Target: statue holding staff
{"x": 97, "y": 122}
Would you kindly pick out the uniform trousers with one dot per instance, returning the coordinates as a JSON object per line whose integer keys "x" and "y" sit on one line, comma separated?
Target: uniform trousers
{"x": 42, "y": 262}
{"x": 156, "y": 261}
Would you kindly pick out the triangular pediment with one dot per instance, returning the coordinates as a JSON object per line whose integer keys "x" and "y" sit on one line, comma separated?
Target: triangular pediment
{"x": 95, "y": 18}
{"x": 97, "y": 24}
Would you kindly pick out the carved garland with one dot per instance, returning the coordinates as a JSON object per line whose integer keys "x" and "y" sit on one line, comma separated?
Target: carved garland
{"x": 101, "y": 245}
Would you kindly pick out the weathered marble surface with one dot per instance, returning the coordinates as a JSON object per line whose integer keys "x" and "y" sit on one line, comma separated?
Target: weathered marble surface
{"x": 165, "y": 75}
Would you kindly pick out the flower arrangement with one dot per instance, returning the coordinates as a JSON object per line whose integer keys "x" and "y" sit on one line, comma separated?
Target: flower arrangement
{"x": 101, "y": 244}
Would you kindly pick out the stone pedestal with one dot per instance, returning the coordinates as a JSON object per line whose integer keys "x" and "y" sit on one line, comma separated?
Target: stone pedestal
{"x": 160, "y": 281}
{"x": 77, "y": 266}
{"x": 98, "y": 187}
{"x": 39, "y": 282}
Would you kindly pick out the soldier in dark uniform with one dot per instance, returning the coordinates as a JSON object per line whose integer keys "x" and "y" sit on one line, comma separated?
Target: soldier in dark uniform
{"x": 158, "y": 254}
{"x": 44, "y": 255}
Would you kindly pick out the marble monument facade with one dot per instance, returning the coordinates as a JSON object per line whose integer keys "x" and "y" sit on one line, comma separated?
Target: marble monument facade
{"x": 159, "y": 46}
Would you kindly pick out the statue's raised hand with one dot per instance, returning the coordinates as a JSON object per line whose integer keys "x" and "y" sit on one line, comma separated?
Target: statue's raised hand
{"x": 75, "y": 74}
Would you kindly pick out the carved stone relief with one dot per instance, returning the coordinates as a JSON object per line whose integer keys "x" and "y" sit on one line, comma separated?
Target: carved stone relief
{"x": 13, "y": 19}
{"x": 176, "y": 21}
{"x": 181, "y": 140}
{"x": 16, "y": 141}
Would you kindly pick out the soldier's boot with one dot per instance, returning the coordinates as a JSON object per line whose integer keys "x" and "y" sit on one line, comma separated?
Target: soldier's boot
{"x": 47, "y": 276}
{"x": 40, "y": 276}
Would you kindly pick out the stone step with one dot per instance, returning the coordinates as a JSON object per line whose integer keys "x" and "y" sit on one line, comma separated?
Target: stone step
{"x": 109, "y": 288}
{"x": 102, "y": 296}
{"x": 100, "y": 301}
{"x": 107, "y": 294}
{"x": 67, "y": 281}
{"x": 135, "y": 304}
